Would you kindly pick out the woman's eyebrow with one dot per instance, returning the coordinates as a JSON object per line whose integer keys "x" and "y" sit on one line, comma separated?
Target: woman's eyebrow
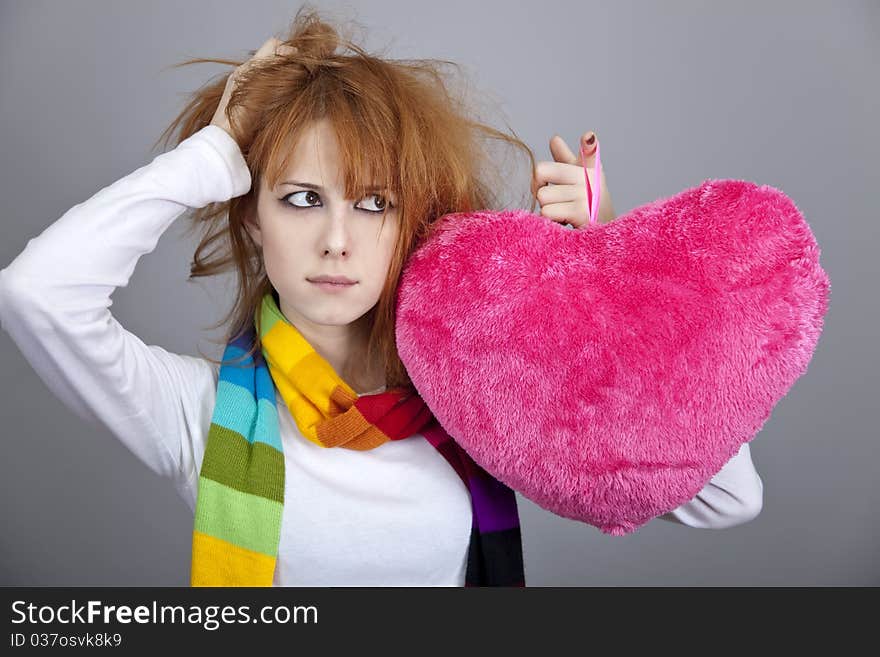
{"x": 302, "y": 184}
{"x": 372, "y": 188}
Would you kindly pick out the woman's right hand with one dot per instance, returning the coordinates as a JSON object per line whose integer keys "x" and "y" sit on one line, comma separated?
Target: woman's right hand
{"x": 271, "y": 47}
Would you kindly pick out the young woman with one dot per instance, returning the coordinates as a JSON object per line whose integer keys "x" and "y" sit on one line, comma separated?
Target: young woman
{"x": 314, "y": 175}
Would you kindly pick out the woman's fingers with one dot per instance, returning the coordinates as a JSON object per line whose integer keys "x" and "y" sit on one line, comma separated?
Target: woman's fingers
{"x": 271, "y": 47}
{"x": 589, "y": 143}
{"x": 565, "y": 200}
{"x": 569, "y": 212}
{"x": 558, "y": 173}
{"x": 560, "y": 186}
{"x": 561, "y": 152}
{"x": 268, "y": 48}
{"x": 558, "y": 193}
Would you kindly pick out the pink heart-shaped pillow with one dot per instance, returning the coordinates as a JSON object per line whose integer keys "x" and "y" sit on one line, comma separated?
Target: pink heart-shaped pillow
{"x": 608, "y": 373}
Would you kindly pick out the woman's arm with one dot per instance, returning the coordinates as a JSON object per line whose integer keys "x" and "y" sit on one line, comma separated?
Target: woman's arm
{"x": 732, "y": 497}
{"x": 55, "y": 299}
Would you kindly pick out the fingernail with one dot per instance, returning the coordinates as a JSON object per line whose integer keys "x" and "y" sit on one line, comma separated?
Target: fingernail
{"x": 590, "y": 141}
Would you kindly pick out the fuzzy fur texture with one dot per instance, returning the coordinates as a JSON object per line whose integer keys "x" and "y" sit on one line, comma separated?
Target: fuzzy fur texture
{"x": 608, "y": 373}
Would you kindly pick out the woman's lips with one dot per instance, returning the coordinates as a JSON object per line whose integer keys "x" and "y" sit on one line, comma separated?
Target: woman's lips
{"x": 332, "y": 287}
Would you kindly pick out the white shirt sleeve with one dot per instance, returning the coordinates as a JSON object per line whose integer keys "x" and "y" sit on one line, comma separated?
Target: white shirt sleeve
{"x": 732, "y": 497}
{"x": 55, "y": 300}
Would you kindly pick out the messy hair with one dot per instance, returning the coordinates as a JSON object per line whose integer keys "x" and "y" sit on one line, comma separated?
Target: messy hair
{"x": 397, "y": 122}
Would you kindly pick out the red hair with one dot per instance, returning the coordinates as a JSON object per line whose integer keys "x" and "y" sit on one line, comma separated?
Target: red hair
{"x": 397, "y": 123}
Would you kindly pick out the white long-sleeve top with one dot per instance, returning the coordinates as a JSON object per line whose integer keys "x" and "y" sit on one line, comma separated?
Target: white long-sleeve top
{"x": 397, "y": 515}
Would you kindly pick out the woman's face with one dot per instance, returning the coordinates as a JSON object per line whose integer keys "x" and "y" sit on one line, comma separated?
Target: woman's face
{"x": 307, "y": 229}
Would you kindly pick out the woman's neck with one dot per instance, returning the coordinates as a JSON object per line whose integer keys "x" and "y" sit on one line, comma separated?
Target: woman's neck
{"x": 344, "y": 347}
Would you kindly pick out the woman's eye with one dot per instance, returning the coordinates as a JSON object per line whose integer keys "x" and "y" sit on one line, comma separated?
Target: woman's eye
{"x": 309, "y": 199}
{"x": 310, "y": 196}
{"x": 379, "y": 202}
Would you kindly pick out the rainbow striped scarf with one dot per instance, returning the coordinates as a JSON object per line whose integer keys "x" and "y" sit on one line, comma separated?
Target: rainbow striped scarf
{"x": 240, "y": 497}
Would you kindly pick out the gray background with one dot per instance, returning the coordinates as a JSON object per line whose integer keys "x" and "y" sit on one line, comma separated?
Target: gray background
{"x": 779, "y": 93}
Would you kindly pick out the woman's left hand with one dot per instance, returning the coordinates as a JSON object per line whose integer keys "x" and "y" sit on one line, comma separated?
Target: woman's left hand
{"x": 561, "y": 189}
